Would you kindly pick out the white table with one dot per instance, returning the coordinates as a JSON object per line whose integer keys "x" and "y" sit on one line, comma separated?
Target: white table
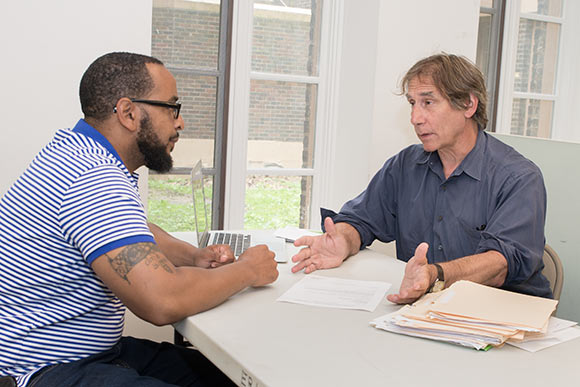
{"x": 257, "y": 341}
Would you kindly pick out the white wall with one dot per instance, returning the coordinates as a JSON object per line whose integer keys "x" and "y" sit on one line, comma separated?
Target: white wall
{"x": 408, "y": 31}
{"x": 46, "y": 46}
{"x": 355, "y": 102}
{"x": 565, "y": 126}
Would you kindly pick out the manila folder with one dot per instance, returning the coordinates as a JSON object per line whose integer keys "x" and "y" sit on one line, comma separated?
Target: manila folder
{"x": 470, "y": 300}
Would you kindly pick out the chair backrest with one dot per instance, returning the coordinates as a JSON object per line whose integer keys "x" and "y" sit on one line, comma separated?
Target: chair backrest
{"x": 553, "y": 271}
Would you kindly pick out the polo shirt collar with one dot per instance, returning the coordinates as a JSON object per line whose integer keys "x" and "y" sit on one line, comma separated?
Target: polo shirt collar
{"x": 84, "y": 128}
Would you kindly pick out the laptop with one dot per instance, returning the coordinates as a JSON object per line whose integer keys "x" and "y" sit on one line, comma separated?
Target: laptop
{"x": 238, "y": 241}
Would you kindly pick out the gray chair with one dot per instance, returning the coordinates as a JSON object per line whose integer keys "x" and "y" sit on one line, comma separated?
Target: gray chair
{"x": 553, "y": 271}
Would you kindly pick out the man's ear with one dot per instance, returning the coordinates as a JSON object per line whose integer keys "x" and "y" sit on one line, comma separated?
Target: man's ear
{"x": 127, "y": 114}
{"x": 471, "y": 106}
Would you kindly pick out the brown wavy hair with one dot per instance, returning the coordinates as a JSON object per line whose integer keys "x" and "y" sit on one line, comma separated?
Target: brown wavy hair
{"x": 456, "y": 77}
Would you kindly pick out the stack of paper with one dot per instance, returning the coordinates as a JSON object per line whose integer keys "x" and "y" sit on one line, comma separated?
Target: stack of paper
{"x": 559, "y": 331}
{"x": 471, "y": 314}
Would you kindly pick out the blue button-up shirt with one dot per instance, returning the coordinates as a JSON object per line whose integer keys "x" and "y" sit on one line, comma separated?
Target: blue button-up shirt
{"x": 494, "y": 200}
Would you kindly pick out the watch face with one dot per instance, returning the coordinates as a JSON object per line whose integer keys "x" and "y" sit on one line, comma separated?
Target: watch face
{"x": 438, "y": 286}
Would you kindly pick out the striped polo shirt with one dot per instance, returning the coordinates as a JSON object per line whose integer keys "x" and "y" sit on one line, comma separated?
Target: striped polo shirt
{"x": 75, "y": 202}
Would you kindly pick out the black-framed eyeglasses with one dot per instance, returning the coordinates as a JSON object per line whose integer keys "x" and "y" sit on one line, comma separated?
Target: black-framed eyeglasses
{"x": 176, "y": 106}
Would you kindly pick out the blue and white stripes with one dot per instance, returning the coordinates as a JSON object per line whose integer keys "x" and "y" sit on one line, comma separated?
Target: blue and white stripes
{"x": 75, "y": 202}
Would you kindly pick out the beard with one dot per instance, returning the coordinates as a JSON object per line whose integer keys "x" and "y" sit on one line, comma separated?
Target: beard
{"x": 153, "y": 150}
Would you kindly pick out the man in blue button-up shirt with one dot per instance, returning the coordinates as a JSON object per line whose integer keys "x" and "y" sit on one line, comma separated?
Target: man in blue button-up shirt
{"x": 462, "y": 205}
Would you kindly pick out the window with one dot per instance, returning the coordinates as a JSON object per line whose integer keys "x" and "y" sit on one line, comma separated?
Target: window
{"x": 282, "y": 125}
{"x": 275, "y": 122}
{"x": 535, "y": 68}
{"x": 532, "y": 55}
{"x": 261, "y": 141}
{"x": 189, "y": 36}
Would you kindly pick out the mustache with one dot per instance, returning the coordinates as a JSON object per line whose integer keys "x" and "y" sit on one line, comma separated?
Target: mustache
{"x": 175, "y": 138}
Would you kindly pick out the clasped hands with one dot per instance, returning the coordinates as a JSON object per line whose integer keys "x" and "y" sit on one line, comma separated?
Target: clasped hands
{"x": 331, "y": 249}
{"x": 213, "y": 256}
{"x": 259, "y": 258}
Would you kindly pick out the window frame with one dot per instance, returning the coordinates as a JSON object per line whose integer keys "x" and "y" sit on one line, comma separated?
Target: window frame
{"x": 497, "y": 13}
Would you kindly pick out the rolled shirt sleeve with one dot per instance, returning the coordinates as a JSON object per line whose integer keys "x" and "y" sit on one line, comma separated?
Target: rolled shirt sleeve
{"x": 516, "y": 229}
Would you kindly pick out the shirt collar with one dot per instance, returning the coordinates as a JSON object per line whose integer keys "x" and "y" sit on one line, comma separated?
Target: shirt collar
{"x": 424, "y": 157}
{"x": 84, "y": 128}
{"x": 472, "y": 164}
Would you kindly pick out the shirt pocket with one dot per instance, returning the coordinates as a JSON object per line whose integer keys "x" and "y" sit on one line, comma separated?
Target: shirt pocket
{"x": 470, "y": 234}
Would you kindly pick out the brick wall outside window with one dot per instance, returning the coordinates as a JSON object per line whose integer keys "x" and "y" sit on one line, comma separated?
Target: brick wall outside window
{"x": 185, "y": 36}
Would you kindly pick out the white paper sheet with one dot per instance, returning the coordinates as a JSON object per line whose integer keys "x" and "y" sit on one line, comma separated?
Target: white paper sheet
{"x": 336, "y": 293}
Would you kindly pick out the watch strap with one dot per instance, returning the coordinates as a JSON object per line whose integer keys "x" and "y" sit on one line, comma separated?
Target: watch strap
{"x": 440, "y": 273}
{"x": 439, "y": 282}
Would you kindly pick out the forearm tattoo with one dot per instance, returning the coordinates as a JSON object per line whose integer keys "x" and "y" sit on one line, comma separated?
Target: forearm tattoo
{"x": 131, "y": 255}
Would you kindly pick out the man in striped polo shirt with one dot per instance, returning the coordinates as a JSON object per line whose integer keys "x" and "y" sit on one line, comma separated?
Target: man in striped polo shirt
{"x": 76, "y": 248}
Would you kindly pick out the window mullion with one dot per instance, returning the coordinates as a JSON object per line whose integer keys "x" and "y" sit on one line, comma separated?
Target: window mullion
{"x": 509, "y": 49}
{"x": 281, "y": 171}
{"x": 218, "y": 198}
{"x": 541, "y": 18}
{"x": 238, "y": 119}
{"x": 284, "y": 77}
{"x": 540, "y": 96}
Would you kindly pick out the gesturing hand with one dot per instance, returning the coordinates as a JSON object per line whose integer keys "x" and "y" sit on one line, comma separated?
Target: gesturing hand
{"x": 323, "y": 251}
{"x": 416, "y": 280}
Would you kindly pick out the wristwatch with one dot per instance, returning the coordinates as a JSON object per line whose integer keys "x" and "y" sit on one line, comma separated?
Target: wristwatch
{"x": 439, "y": 283}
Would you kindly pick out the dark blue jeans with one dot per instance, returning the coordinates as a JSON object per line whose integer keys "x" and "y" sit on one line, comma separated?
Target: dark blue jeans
{"x": 135, "y": 362}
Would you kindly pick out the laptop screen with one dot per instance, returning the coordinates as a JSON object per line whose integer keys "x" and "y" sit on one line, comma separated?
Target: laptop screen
{"x": 199, "y": 201}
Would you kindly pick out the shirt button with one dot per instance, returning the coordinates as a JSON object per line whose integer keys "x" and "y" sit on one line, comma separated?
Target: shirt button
{"x": 440, "y": 247}
{"x": 444, "y": 187}
{"x": 440, "y": 218}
